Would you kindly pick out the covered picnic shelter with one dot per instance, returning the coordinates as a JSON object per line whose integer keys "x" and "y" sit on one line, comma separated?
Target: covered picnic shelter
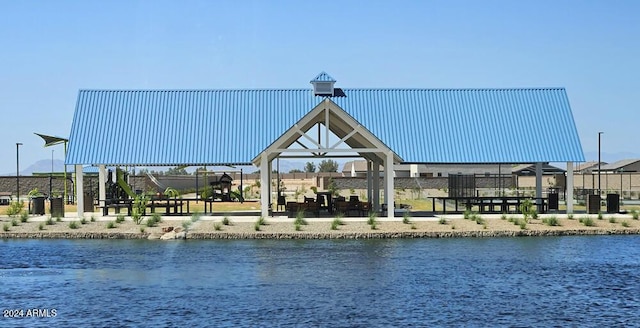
{"x": 383, "y": 126}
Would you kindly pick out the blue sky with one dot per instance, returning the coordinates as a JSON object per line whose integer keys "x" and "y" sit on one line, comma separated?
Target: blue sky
{"x": 51, "y": 49}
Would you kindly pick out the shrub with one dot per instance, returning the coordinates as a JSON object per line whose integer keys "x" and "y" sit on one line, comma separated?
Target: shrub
{"x": 570, "y": 217}
{"x": 141, "y": 229}
{"x": 599, "y": 216}
{"x": 413, "y": 226}
{"x": 551, "y": 221}
{"x": 226, "y": 221}
{"x": 257, "y": 225}
{"x": 5, "y": 227}
{"x": 217, "y": 226}
{"x": 534, "y": 215}
{"x": 151, "y": 222}
{"x": 83, "y": 221}
{"x": 588, "y": 222}
{"x": 93, "y": 218}
{"x": 14, "y": 222}
{"x": 139, "y": 208}
{"x": 442, "y": 221}
{"x": 120, "y": 218}
{"x": 634, "y": 215}
{"x": 523, "y": 224}
{"x": 297, "y": 226}
{"x": 58, "y": 219}
{"x": 453, "y": 227}
{"x": 625, "y": 224}
{"x": 15, "y": 208}
{"x": 467, "y": 214}
{"x": 73, "y": 225}
{"x": 374, "y": 225}
{"x": 49, "y": 221}
{"x": 336, "y": 222}
{"x": 372, "y": 219}
{"x": 300, "y": 218}
{"x": 41, "y": 226}
{"x": 406, "y": 217}
{"x": 612, "y": 219}
{"x": 196, "y": 216}
{"x": 24, "y": 216}
{"x": 156, "y": 217}
{"x": 261, "y": 221}
{"x": 111, "y": 225}
{"x": 186, "y": 225}
{"x": 478, "y": 219}
{"x": 503, "y": 216}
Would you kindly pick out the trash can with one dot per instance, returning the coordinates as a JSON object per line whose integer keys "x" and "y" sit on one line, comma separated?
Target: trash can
{"x": 613, "y": 203}
{"x": 88, "y": 202}
{"x": 593, "y": 204}
{"x": 553, "y": 201}
{"x": 37, "y": 205}
{"x": 57, "y": 207}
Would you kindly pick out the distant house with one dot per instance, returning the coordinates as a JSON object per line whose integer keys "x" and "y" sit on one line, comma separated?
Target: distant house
{"x": 587, "y": 167}
{"x": 625, "y": 165}
{"x": 530, "y": 169}
{"x": 358, "y": 168}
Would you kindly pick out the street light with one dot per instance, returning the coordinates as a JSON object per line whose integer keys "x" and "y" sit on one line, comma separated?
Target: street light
{"x": 18, "y": 144}
{"x": 599, "y": 162}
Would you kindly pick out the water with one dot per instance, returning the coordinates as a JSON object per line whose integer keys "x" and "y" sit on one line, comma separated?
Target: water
{"x": 555, "y": 281}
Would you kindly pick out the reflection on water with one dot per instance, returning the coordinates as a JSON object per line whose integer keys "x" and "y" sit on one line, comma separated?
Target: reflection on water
{"x": 556, "y": 281}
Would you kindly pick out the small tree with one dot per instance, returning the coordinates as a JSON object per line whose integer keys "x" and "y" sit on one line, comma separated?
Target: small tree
{"x": 310, "y": 167}
{"x": 328, "y": 165}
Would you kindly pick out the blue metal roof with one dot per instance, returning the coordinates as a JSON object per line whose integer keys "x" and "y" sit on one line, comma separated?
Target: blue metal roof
{"x": 173, "y": 127}
{"x": 323, "y": 77}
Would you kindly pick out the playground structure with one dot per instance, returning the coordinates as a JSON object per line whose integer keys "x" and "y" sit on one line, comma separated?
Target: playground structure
{"x": 221, "y": 188}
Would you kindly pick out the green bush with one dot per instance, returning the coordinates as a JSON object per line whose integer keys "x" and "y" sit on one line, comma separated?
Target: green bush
{"x": 372, "y": 219}
{"x": 297, "y": 226}
{"x": 625, "y": 224}
{"x": 93, "y": 218}
{"x": 570, "y": 217}
{"x": 24, "y": 216}
{"x": 413, "y": 226}
{"x": 73, "y": 225}
{"x": 226, "y": 221}
{"x": 58, "y": 219}
{"x": 257, "y": 225}
{"x": 503, "y": 216}
{"x": 599, "y": 216}
{"x": 635, "y": 214}
{"x": 186, "y": 225}
{"x": 442, "y": 221}
{"x": 261, "y": 221}
{"x": 15, "y": 208}
{"x": 111, "y": 225}
{"x": 49, "y": 221}
{"x": 119, "y": 218}
{"x": 551, "y": 221}
{"x": 217, "y": 226}
{"x": 587, "y": 221}
{"x": 14, "y": 222}
{"x": 196, "y": 216}
{"x": 83, "y": 221}
{"x": 41, "y": 226}
{"x": 612, "y": 219}
{"x": 5, "y": 227}
{"x": 406, "y": 217}
{"x": 141, "y": 229}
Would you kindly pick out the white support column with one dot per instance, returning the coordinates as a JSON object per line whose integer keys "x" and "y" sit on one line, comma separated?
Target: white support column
{"x": 413, "y": 170}
{"x": 80, "y": 190}
{"x": 102, "y": 184}
{"x": 538, "y": 182}
{"x": 384, "y": 182}
{"x": 568, "y": 197}
{"x": 376, "y": 186}
{"x": 264, "y": 186}
{"x": 389, "y": 192}
{"x": 369, "y": 181}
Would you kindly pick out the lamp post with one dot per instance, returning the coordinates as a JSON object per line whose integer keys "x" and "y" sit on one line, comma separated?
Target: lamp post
{"x": 51, "y": 176}
{"x": 599, "y": 162}
{"x": 18, "y": 144}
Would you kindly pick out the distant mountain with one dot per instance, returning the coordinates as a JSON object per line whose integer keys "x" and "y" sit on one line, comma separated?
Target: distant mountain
{"x": 41, "y": 166}
{"x": 610, "y": 157}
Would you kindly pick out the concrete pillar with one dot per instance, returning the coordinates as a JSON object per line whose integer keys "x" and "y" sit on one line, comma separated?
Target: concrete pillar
{"x": 569, "y": 185}
{"x": 376, "y": 186}
{"x": 264, "y": 186}
{"x": 538, "y": 182}
{"x": 369, "y": 181}
{"x": 102, "y": 184}
{"x": 389, "y": 194}
{"x": 80, "y": 190}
